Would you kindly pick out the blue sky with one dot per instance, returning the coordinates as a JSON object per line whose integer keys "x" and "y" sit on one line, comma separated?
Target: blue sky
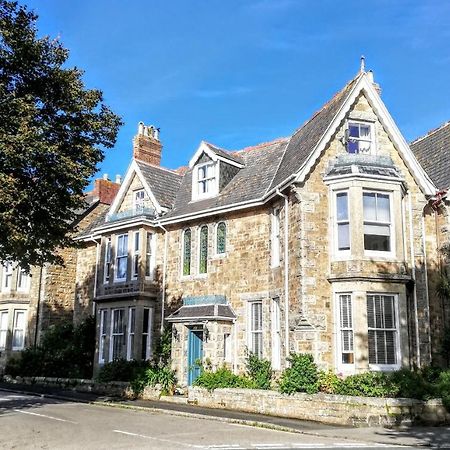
{"x": 237, "y": 73}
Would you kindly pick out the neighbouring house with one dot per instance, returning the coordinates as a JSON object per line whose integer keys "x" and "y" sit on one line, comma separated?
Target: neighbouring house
{"x": 31, "y": 302}
{"x": 322, "y": 242}
{"x": 433, "y": 153}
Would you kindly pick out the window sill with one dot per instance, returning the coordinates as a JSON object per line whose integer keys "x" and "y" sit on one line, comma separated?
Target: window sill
{"x": 219, "y": 256}
{"x": 384, "y": 367}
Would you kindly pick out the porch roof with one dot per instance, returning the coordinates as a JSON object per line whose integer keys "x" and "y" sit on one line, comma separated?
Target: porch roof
{"x": 202, "y": 313}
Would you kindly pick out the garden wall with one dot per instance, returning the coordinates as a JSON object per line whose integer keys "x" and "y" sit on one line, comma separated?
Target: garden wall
{"x": 333, "y": 409}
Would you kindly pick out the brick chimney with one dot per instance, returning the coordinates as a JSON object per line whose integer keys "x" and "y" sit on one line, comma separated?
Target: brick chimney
{"x": 146, "y": 145}
{"x": 105, "y": 190}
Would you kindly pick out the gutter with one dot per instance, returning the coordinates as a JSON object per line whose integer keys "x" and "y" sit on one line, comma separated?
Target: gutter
{"x": 286, "y": 271}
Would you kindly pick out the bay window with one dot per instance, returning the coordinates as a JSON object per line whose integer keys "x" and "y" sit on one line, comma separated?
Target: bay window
{"x": 131, "y": 331}
{"x": 150, "y": 256}
{"x": 342, "y": 221}
{"x": 3, "y": 329}
{"x": 103, "y": 313}
{"x": 117, "y": 334}
{"x": 18, "y": 342}
{"x": 136, "y": 249}
{"x": 146, "y": 348}
{"x": 346, "y": 329}
{"x": 108, "y": 257}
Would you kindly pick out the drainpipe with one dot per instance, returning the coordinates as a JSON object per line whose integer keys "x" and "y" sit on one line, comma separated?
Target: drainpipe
{"x": 97, "y": 260}
{"x": 286, "y": 270}
{"x": 427, "y": 297}
{"x": 413, "y": 274}
{"x": 163, "y": 293}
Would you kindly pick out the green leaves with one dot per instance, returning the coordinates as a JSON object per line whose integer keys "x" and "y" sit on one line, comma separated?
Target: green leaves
{"x": 52, "y": 134}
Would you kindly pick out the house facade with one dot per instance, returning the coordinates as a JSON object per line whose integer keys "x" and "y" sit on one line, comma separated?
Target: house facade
{"x": 324, "y": 242}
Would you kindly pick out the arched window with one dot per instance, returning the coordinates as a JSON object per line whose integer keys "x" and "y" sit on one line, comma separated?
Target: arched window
{"x": 187, "y": 252}
{"x": 203, "y": 250}
{"x": 221, "y": 238}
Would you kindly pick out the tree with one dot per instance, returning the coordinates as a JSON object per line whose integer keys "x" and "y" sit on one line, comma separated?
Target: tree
{"x": 53, "y": 132}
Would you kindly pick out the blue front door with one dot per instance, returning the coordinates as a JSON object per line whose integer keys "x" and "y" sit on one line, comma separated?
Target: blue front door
{"x": 195, "y": 354}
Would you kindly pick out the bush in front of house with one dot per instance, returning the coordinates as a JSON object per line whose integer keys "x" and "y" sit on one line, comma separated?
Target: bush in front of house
{"x": 301, "y": 376}
{"x": 259, "y": 371}
{"x": 121, "y": 370}
{"x": 153, "y": 375}
{"x": 222, "y": 378}
{"x": 368, "y": 384}
{"x": 65, "y": 351}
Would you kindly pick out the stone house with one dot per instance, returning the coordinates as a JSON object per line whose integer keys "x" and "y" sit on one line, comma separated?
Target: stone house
{"x": 31, "y": 302}
{"x": 323, "y": 242}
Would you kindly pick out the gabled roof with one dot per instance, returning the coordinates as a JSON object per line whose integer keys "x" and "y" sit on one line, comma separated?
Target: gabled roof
{"x": 164, "y": 183}
{"x": 433, "y": 153}
{"x": 215, "y": 153}
{"x": 226, "y": 154}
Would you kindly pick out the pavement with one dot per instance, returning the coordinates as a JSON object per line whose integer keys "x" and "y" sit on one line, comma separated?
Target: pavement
{"x": 316, "y": 433}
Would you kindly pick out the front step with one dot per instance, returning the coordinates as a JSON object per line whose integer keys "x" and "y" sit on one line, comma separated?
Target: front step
{"x": 179, "y": 399}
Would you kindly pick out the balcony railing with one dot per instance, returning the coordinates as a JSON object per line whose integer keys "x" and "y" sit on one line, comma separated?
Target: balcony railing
{"x": 129, "y": 213}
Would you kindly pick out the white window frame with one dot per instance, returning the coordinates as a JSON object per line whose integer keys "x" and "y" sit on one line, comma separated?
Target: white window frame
{"x": 275, "y": 238}
{"x": 108, "y": 261}
{"x": 116, "y": 271}
{"x": 227, "y": 347}
{"x": 113, "y": 335}
{"x": 148, "y": 333}
{"x": 396, "y": 330}
{"x": 131, "y": 333}
{"x": 7, "y": 276}
{"x": 276, "y": 333}
{"x": 4, "y": 327}
{"x": 380, "y": 253}
{"x": 150, "y": 258}
{"x": 138, "y": 200}
{"x": 344, "y": 367}
{"x": 337, "y": 222}
{"x": 103, "y": 314}
{"x": 251, "y": 332}
{"x": 23, "y": 280}
{"x": 15, "y": 328}
{"x": 372, "y": 149}
{"x": 136, "y": 253}
{"x": 212, "y": 181}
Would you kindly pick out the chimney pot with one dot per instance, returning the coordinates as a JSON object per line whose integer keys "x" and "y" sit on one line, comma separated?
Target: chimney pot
{"x": 118, "y": 179}
{"x": 105, "y": 176}
{"x": 146, "y": 145}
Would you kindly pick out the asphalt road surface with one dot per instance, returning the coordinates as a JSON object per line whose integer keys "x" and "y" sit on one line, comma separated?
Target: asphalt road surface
{"x": 32, "y": 422}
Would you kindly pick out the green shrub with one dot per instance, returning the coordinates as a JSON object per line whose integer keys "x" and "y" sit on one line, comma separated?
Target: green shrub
{"x": 411, "y": 384}
{"x": 259, "y": 371}
{"x": 302, "y": 376}
{"x": 153, "y": 375}
{"x": 122, "y": 370}
{"x": 65, "y": 351}
{"x": 368, "y": 384}
{"x": 222, "y": 378}
{"x": 163, "y": 347}
{"x": 328, "y": 382}
{"x": 443, "y": 388}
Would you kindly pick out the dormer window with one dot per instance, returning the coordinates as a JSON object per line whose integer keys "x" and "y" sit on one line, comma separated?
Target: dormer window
{"x": 360, "y": 137}
{"x": 205, "y": 180}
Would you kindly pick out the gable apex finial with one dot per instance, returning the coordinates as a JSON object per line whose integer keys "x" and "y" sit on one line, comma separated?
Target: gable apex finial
{"x": 363, "y": 64}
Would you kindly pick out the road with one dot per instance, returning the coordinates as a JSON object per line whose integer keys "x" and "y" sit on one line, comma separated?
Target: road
{"x": 33, "y": 422}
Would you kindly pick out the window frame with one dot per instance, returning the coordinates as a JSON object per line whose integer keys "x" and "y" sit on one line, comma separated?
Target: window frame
{"x": 116, "y": 271}
{"x": 138, "y": 203}
{"x": 148, "y": 333}
{"x": 397, "y": 365}
{"x": 252, "y": 332}
{"x": 227, "y": 347}
{"x": 213, "y": 179}
{"x": 344, "y": 367}
{"x": 392, "y": 237}
{"x": 131, "y": 333}
{"x": 136, "y": 255}
{"x": 15, "y": 328}
{"x": 102, "y": 335}
{"x": 216, "y": 242}
{"x": 150, "y": 255}
{"x": 183, "y": 252}
{"x": 371, "y": 125}
{"x": 113, "y": 334}
{"x": 199, "y": 248}
{"x": 275, "y": 238}
{"x": 22, "y": 275}
{"x": 108, "y": 261}
{"x": 8, "y": 271}
{"x": 337, "y": 222}
{"x": 4, "y": 330}
{"x": 275, "y": 316}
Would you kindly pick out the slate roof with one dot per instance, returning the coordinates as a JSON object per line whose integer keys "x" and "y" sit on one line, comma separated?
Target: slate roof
{"x": 250, "y": 183}
{"x": 95, "y": 222}
{"x": 202, "y": 312}
{"x": 305, "y": 139}
{"x": 164, "y": 183}
{"x": 225, "y": 154}
{"x": 433, "y": 153}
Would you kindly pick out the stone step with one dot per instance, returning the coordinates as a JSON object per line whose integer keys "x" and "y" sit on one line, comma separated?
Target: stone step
{"x": 180, "y": 399}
